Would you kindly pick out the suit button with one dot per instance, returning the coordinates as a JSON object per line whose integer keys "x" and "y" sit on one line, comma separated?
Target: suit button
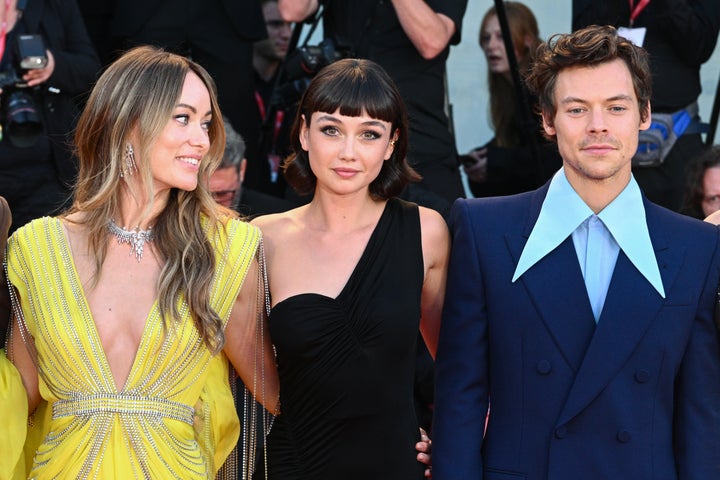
{"x": 642, "y": 376}
{"x": 543, "y": 367}
{"x": 624, "y": 436}
{"x": 561, "y": 432}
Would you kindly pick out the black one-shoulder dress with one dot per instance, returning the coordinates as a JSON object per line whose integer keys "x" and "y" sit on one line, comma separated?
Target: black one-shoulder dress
{"x": 346, "y": 366}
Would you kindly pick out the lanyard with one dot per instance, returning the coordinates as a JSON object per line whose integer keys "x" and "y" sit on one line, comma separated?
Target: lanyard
{"x": 636, "y": 8}
{"x": 3, "y": 28}
{"x": 279, "y": 116}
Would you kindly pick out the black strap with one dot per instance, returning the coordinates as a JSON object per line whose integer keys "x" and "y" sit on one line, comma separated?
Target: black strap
{"x": 710, "y": 138}
{"x": 529, "y": 121}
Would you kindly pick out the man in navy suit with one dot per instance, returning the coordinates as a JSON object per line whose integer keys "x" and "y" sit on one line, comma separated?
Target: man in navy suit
{"x": 579, "y": 317}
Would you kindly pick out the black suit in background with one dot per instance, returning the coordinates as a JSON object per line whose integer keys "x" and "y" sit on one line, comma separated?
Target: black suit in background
{"x": 218, "y": 34}
{"x": 253, "y": 204}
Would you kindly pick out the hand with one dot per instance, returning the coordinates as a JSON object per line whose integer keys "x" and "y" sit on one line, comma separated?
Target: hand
{"x": 36, "y": 76}
{"x": 424, "y": 447}
{"x": 475, "y": 165}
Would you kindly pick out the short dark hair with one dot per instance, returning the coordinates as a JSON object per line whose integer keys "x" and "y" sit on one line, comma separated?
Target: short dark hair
{"x": 353, "y": 86}
{"x": 695, "y": 190}
{"x": 587, "y": 47}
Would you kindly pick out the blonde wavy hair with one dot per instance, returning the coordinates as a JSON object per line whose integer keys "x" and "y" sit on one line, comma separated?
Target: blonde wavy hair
{"x": 137, "y": 95}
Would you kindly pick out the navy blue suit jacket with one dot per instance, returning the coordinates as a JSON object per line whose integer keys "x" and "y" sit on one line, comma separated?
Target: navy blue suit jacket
{"x": 636, "y": 397}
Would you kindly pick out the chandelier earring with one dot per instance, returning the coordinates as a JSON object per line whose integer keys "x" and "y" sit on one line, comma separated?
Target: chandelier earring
{"x": 129, "y": 166}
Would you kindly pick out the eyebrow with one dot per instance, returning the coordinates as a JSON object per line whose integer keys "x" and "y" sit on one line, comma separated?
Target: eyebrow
{"x": 371, "y": 123}
{"x": 620, "y": 97}
{"x": 191, "y": 108}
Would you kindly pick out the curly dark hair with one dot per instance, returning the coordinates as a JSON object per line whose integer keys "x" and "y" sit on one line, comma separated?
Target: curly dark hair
{"x": 587, "y": 47}
{"x": 353, "y": 86}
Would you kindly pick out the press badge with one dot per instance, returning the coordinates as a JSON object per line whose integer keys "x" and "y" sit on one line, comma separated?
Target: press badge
{"x": 635, "y": 35}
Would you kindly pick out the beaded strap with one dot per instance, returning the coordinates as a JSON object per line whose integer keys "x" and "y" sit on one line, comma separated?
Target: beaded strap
{"x": 156, "y": 408}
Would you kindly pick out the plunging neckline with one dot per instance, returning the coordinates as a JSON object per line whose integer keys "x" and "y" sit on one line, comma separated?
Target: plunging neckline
{"x": 95, "y": 340}
{"x": 354, "y": 273}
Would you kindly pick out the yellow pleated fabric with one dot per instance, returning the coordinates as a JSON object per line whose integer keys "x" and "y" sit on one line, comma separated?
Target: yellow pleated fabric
{"x": 12, "y": 400}
{"x": 175, "y": 416}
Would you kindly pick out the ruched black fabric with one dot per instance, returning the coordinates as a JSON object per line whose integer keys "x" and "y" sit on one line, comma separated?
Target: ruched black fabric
{"x": 346, "y": 366}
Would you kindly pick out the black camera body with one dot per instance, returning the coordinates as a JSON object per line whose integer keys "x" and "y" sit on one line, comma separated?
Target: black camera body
{"x": 20, "y": 119}
{"x": 300, "y": 67}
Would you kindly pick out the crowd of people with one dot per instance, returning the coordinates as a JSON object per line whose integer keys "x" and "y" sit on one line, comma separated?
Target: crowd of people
{"x": 231, "y": 254}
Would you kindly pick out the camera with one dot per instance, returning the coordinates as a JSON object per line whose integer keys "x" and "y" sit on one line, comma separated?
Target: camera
{"x": 300, "y": 67}
{"x": 20, "y": 119}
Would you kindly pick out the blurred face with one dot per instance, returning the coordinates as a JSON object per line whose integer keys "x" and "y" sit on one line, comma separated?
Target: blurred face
{"x": 346, "y": 153}
{"x": 177, "y": 152}
{"x": 711, "y": 190}
{"x": 492, "y": 44}
{"x": 225, "y": 185}
{"x": 275, "y": 47}
{"x": 596, "y": 123}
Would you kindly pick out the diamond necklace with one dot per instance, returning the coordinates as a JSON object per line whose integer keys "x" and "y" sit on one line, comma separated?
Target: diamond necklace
{"x": 135, "y": 238}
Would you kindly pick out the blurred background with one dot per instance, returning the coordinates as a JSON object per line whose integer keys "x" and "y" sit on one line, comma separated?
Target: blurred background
{"x": 467, "y": 75}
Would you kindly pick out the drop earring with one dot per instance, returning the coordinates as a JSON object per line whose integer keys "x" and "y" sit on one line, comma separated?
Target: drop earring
{"x": 129, "y": 166}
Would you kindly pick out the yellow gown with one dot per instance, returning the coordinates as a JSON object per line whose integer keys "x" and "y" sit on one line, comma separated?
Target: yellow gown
{"x": 175, "y": 416}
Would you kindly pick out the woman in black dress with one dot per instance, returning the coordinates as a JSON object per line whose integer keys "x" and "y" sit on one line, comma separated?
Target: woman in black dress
{"x": 353, "y": 275}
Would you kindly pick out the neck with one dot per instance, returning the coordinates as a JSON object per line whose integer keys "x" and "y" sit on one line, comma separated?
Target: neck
{"x": 342, "y": 214}
{"x": 265, "y": 67}
{"x": 597, "y": 193}
{"x": 135, "y": 213}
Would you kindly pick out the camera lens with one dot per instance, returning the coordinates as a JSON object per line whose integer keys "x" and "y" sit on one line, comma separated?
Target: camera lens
{"x": 23, "y": 125}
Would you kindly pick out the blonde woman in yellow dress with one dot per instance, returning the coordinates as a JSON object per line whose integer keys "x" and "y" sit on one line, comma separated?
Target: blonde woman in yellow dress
{"x": 128, "y": 306}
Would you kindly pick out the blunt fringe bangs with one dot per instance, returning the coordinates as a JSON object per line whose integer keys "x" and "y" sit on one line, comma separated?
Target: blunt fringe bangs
{"x": 353, "y": 87}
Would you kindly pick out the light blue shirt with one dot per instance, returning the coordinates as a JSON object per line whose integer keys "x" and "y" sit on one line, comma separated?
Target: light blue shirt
{"x": 597, "y": 252}
{"x": 564, "y": 213}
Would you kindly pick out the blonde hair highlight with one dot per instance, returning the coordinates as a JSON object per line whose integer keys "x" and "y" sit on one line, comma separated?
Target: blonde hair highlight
{"x": 131, "y": 103}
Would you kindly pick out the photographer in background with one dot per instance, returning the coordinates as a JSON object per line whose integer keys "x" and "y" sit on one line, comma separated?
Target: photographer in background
{"x": 411, "y": 40}
{"x": 276, "y": 113}
{"x": 38, "y": 106}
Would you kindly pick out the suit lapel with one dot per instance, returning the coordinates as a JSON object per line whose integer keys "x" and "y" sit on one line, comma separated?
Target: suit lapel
{"x": 630, "y": 308}
{"x": 557, "y": 290}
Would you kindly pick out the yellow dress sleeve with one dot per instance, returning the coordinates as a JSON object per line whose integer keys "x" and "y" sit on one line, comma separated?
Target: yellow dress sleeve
{"x": 217, "y": 424}
{"x": 13, "y": 423}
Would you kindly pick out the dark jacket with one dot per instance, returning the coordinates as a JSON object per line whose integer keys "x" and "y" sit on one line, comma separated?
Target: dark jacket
{"x": 76, "y": 69}
{"x": 245, "y": 15}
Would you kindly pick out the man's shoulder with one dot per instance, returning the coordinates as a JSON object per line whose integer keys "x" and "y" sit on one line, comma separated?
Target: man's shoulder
{"x": 675, "y": 230}
{"x": 674, "y": 224}
{"x": 498, "y": 213}
{"x": 500, "y": 205}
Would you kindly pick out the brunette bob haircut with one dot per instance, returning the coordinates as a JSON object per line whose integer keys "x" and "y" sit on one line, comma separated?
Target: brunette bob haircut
{"x": 354, "y": 87}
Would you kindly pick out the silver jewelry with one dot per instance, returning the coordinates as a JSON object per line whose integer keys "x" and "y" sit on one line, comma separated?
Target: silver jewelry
{"x": 129, "y": 166}
{"x": 135, "y": 238}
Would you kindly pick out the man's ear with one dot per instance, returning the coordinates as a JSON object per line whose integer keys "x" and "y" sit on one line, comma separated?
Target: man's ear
{"x": 644, "y": 125}
{"x": 548, "y": 124}
{"x": 241, "y": 171}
